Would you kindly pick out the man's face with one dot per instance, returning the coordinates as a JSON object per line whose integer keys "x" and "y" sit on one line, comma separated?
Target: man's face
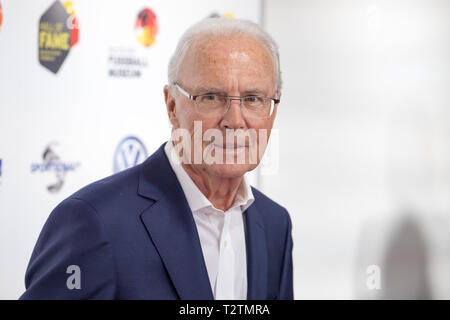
{"x": 234, "y": 66}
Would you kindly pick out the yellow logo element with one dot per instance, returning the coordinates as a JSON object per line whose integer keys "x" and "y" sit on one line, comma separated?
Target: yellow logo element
{"x": 228, "y": 15}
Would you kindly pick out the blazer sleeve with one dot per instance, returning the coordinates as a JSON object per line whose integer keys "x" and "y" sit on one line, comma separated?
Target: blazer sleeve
{"x": 72, "y": 258}
{"x": 286, "y": 282}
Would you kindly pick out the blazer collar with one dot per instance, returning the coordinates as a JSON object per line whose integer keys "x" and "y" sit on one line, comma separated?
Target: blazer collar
{"x": 172, "y": 229}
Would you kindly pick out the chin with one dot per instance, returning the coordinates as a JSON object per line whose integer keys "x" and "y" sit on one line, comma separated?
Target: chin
{"x": 229, "y": 170}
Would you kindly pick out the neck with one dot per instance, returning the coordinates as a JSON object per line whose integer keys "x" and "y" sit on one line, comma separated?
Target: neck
{"x": 219, "y": 191}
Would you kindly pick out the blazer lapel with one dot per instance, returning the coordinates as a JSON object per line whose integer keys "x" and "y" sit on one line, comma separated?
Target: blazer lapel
{"x": 172, "y": 229}
{"x": 256, "y": 255}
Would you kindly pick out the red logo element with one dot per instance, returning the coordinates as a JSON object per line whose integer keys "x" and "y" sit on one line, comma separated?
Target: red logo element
{"x": 146, "y": 27}
{"x": 72, "y": 23}
{"x": 1, "y": 16}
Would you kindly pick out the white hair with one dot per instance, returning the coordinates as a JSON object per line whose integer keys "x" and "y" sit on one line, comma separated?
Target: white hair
{"x": 218, "y": 27}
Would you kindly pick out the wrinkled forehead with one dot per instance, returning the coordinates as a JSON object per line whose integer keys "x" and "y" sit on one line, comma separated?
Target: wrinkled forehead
{"x": 211, "y": 56}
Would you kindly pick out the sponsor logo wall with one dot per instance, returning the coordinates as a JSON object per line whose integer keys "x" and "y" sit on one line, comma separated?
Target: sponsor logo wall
{"x": 76, "y": 78}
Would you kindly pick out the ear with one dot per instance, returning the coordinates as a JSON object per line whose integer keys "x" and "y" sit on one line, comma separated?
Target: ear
{"x": 170, "y": 106}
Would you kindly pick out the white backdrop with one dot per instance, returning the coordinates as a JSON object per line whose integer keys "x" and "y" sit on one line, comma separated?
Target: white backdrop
{"x": 364, "y": 144}
{"x": 81, "y": 111}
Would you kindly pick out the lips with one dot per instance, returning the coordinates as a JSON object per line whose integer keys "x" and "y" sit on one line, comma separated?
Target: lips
{"x": 231, "y": 146}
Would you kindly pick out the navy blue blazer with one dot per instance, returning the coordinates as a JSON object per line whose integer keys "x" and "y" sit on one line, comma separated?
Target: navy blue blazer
{"x": 133, "y": 236}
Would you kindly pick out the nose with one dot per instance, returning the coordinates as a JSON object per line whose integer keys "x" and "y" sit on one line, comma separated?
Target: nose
{"x": 233, "y": 118}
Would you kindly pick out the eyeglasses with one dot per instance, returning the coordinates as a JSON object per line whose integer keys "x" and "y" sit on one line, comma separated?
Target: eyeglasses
{"x": 215, "y": 104}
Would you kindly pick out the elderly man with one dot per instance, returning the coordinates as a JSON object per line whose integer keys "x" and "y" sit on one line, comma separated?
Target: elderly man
{"x": 185, "y": 224}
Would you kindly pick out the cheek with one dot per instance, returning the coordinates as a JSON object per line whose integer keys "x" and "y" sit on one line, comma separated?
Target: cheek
{"x": 209, "y": 124}
{"x": 185, "y": 117}
{"x": 262, "y": 127}
{"x": 198, "y": 122}
{"x": 192, "y": 121}
{"x": 263, "y": 130}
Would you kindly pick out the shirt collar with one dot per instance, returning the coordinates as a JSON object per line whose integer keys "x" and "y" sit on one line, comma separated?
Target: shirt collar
{"x": 195, "y": 198}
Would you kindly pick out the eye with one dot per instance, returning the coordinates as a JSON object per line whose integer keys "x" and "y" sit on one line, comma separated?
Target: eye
{"x": 210, "y": 97}
{"x": 252, "y": 99}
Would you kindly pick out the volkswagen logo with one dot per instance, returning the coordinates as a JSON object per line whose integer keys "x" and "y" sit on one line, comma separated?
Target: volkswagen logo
{"x": 129, "y": 153}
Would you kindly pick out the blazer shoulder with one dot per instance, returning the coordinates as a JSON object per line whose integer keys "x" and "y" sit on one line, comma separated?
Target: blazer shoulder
{"x": 121, "y": 190}
{"x": 123, "y": 182}
{"x": 72, "y": 230}
{"x": 112, "y": 196}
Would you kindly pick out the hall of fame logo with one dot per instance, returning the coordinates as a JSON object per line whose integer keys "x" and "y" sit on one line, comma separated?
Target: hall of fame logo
{"x": 58, "y": 33}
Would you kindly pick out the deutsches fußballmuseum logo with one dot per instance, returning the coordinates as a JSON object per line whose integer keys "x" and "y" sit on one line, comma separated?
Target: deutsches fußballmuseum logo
{"x": 53, "y": 164}
{"x": 146, "y": 27}
{"x": 58, "y": 33}
{"x": 129, "y": 153}
{"x": 129, "y": 62}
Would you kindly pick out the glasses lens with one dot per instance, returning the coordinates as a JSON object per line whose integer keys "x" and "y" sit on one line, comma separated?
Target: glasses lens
{"x": 211, "y": 103}
{"x": 257, "y": 107}
{"x": 252, "y": 106}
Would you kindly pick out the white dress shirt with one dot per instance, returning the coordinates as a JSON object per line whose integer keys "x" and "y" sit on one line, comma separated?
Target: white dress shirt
{"x": 222, "y": 233}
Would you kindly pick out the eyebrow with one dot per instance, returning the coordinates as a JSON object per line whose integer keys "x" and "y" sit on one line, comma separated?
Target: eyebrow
{"x": 255, "y": 90}
{"x": 203, "y": 90}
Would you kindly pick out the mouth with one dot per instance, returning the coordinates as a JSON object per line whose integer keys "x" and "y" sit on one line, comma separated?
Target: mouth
{"x": 229, "y": 147}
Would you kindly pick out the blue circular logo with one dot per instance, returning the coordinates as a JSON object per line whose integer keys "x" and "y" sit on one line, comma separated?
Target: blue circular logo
{"x": 129, "y": 153}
